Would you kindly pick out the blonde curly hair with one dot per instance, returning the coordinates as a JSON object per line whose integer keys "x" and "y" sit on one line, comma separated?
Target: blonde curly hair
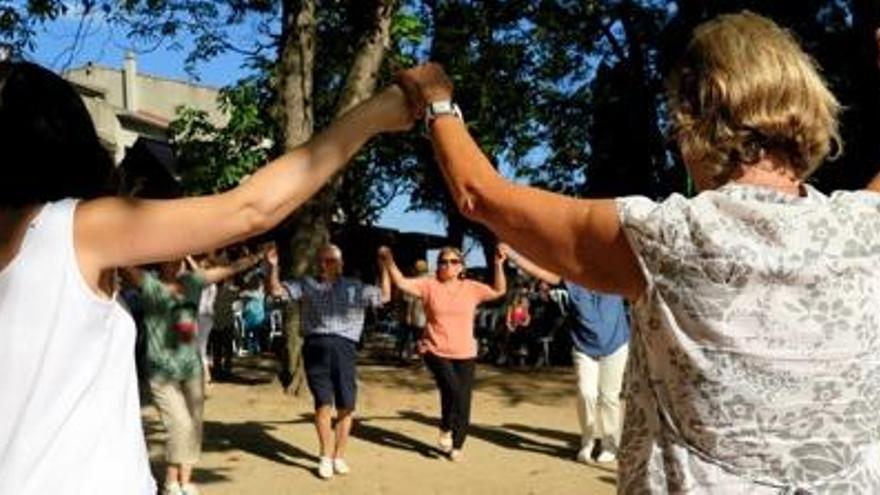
{"x": 745, "y": 88}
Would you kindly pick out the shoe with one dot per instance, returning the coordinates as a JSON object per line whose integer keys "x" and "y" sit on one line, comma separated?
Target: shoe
{"x": 455, "y": 455}
{"x": 445, "y": 441}
{"x": 340, "y": 466}
{"x": 585, "y": 455}
{"x": 325, "y": 468}
{"x": 606, "y": 456}
{"x": 190, "y": 489}
{"x": 172, "y": 488}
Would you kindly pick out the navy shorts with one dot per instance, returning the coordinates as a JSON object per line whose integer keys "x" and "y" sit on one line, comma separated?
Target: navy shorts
{"x": 330, "y": 370}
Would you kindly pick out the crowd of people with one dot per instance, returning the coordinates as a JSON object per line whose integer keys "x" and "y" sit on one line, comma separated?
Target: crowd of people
{"x": 749, "y": 367}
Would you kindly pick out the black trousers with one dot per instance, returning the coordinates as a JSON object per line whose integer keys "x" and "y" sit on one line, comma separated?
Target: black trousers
{"x": 220, "y": 342}
{"x": 455, "y": 379}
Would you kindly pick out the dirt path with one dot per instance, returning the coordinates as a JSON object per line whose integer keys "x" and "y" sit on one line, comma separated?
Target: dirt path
{"x": 260, "y": 441}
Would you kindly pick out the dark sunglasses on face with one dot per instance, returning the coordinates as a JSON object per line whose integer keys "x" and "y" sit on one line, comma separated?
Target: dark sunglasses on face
{"x": 449, "y": 261}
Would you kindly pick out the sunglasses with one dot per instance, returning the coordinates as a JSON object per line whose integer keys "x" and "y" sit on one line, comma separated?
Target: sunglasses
{"x": 449, "y": 261}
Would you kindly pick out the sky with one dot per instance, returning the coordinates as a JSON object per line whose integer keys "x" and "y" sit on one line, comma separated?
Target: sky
{"x": 104, "y": 46}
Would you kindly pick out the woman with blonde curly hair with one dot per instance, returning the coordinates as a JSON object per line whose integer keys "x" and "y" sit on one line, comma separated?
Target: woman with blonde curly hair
{"x": 755, "y": 358}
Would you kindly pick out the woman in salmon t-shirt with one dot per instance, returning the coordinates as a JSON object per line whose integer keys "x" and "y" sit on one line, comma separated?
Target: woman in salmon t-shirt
{"x": 447, "y": 344}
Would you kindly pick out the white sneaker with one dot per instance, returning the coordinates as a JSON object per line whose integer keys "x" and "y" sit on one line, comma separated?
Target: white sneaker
{"x": 172, "y": 488}
{"x": 340, "y": 466}
{"x": 455, "y": 455}
{"x": 606, "y": 456}
{"x": 445, "y": 441}
{"x": 190, "y": 489}
{"x": 585, "y": 455}
{"x": 325, "y": 468}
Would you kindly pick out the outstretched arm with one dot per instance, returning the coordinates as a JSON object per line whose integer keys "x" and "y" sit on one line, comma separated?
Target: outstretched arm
{"x": 215, "y": 274}
{"x": 530, "y": 267}
{"x": 111, "y": 232}
{"x": 579, "y": 239}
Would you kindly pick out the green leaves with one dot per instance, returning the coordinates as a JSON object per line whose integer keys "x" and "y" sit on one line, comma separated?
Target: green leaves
{"x": 215, "y": 158}
{"x": 18, "y": 20}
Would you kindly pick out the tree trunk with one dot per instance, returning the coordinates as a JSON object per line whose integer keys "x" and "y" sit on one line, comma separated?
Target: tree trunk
{"x": 296, "y": 120}
{"x": 361, "y": 80}
{"x": 310, "y": 225}
{"x": 296, "y": 59}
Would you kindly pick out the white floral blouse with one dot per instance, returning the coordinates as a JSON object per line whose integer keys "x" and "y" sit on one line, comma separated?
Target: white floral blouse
{"x": 755, "y": 353}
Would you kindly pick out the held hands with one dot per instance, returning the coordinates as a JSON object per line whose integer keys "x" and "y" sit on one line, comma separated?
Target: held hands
{"x": 394, "y": 110}
{"x": 398, "y": 106}
{"x": 504, "y": 248}
{"x": 501, "y": 253}
{"x": 272, "y": 256}
{"x": 384, "y": 255}
{"x": 424, "y": 84}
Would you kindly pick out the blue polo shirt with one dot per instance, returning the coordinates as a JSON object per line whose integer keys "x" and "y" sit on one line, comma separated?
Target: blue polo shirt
{"x": 598, "y": 325}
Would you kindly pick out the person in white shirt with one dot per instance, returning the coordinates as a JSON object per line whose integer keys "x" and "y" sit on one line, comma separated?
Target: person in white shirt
{"x": 69, "y": 418}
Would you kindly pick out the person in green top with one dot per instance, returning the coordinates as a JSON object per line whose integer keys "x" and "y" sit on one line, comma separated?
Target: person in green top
{"x": 170, "y": 301}
{"x": 168, "y": 319}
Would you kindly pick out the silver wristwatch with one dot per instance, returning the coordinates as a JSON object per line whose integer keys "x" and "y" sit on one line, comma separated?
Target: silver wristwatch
{"x": 442, "y": 107}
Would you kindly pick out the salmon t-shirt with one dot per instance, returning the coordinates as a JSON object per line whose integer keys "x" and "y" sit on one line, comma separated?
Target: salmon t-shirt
{"x": 450, "y": 309}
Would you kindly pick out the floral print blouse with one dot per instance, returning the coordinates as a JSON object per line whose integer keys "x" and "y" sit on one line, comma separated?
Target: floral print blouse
{"x": 755, "y": 354}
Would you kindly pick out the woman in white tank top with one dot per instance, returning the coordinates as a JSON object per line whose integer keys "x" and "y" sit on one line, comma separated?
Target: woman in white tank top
{"x": 69, "y": 416}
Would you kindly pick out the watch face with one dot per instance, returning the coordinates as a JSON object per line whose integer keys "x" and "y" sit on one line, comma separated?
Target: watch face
{"x": 441, "y": 107}
{"x": 438, "y": 108}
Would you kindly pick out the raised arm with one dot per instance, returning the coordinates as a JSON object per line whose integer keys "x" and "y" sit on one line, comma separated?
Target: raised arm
{"x": 405, "y": 284}
{"x": 530, "y": 267}
{"x": 192, "y": 264}
{"x": 273, "y": 278}
{"x": 384, "y": 282}
{"x": 111, "y": 232}
{"x": 499, "y": 285}
{"x": 579, "y": 239}
{"x": 215, "y": 274}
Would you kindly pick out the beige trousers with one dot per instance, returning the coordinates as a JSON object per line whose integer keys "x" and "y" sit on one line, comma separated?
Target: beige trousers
{"x": 181, "y": 404}
{"x": 599, "y": 381}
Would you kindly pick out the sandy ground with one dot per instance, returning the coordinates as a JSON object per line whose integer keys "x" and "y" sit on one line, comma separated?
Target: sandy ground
{"x": 522, "y": 440}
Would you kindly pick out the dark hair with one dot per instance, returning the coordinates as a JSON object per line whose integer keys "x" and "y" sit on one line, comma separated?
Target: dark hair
{"x": 46, "y": 134}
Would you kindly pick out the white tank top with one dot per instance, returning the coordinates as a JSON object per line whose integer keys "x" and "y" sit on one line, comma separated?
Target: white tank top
{"x": 69, "y": 408}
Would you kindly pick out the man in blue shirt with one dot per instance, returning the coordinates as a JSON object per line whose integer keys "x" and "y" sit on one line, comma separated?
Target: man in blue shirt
{"x": 600, "y": 337}
{"x": 332, "y": 320}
